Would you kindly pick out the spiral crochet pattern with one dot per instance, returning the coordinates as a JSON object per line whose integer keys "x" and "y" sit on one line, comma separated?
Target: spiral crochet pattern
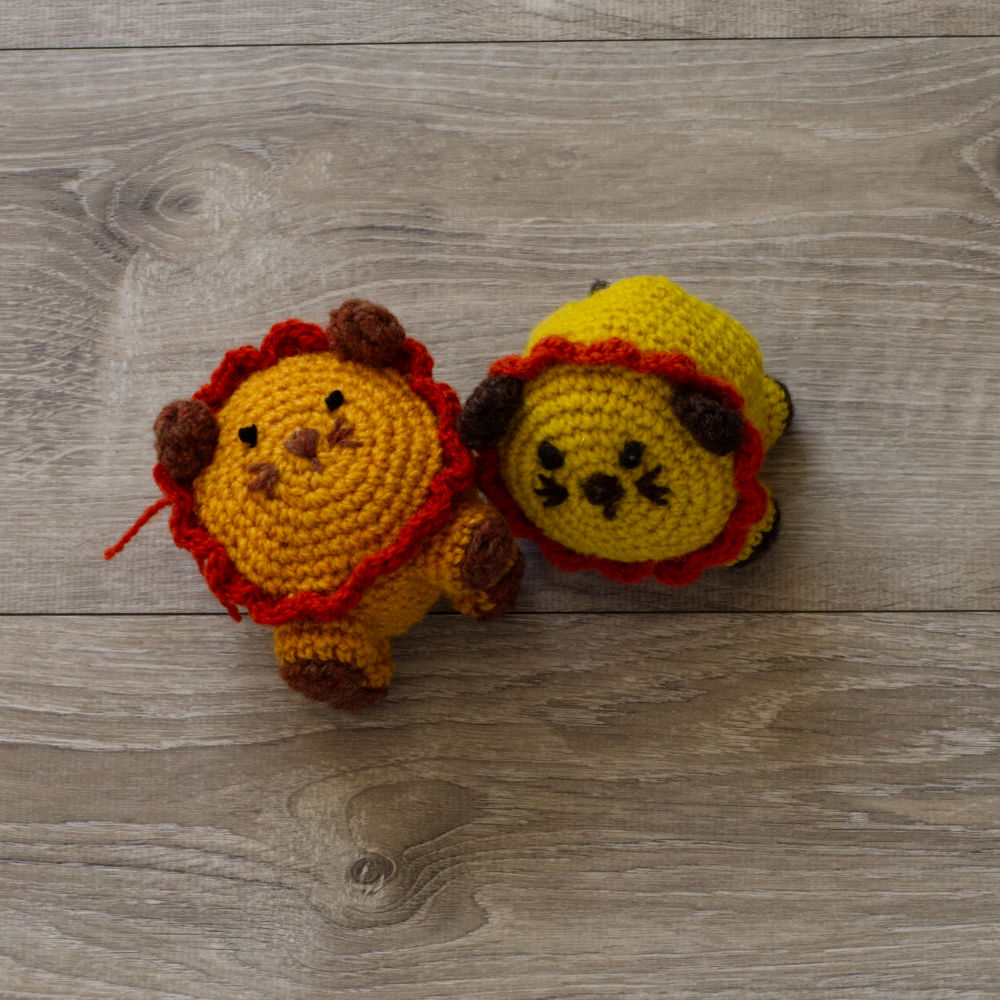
{"x": 629, "y": 436}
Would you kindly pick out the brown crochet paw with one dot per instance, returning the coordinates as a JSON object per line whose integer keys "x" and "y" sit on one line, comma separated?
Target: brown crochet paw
{"x": 501, "y": 595}
{"x": 339, "y": 684}
{"x": 487, "y": 554}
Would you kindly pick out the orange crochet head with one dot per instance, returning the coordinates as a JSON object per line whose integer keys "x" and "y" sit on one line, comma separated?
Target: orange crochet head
{"x": 305, "y": 470}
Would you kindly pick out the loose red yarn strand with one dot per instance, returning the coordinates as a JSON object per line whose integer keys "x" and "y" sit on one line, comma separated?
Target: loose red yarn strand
{"x": 151, "y": 511}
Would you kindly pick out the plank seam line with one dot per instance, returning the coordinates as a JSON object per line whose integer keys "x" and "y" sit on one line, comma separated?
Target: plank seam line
{"x": 414, "y": 43}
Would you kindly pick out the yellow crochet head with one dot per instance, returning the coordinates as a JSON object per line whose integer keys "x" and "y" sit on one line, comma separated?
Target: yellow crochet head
{"x": 596, "y": 459}
{"x": 628, "y": 437}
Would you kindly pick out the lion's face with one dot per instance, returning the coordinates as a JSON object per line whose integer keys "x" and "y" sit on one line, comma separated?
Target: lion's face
{"x": 597, "y": 458}
{"x": 319, "y": 462}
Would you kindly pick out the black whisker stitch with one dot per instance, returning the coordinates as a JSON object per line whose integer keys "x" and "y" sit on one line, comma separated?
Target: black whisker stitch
{"x": 650, "y": 490}
{"x": 553, "y": 493}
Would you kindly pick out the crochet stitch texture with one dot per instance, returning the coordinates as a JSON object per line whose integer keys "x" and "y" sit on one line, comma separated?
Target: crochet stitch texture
{"x": 319, "y": 482}
{"x": 629, "y": 436}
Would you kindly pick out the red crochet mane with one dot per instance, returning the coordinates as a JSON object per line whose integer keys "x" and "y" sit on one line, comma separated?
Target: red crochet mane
{"x": 751, "y": 504}
{"x": 229, "y": 586}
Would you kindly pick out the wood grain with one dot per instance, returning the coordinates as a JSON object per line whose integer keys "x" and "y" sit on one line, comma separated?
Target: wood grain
{"x": 786, "y": 806}
{"x": 569, "y": 803}
{"x": 72, "y": 23}
{"x": 840, "y": 198}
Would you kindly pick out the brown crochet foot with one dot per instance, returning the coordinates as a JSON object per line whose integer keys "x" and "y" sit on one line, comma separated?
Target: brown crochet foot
{"x": 339, "y": 684}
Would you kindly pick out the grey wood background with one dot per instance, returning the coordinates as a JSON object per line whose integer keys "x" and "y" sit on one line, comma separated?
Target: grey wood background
{"x": 782, "y": 782}
{"x": 73, "y": 23}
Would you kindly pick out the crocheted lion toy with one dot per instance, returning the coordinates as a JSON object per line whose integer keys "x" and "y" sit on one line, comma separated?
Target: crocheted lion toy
{"x": 628, "y": 437}
{"x": 320, "y": 483}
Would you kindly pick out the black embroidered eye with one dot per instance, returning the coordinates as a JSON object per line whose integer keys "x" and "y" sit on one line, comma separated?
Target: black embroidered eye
{"x": 248, "y": 435}
{"x": 335, "y": 399}
{"x": 550, "y": 456}
{"x": 631, "y": 455}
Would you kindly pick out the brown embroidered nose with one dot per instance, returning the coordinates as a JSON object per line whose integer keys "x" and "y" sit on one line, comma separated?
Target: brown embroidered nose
{"x": 603, "y": 491}
{"x": 304, "y": 442}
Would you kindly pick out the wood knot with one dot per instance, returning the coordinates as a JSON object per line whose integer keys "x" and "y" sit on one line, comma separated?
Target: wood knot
{"x": 372, "y": 871}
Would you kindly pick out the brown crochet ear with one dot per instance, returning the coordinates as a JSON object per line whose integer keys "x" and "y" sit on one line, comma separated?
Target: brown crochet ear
{"x": 186, "y": 436}
{"x": 713, "y": 425}
{"x": 364, "y": 332}
{"x": 489, "y": 410}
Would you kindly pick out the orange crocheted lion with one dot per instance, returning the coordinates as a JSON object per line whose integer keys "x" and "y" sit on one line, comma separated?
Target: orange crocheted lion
{"x": 320, "y": 483}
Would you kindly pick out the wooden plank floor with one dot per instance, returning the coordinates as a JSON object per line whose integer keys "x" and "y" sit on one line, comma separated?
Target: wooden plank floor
{"x": 782, "y": 782}
{"x": 74, "y": 23}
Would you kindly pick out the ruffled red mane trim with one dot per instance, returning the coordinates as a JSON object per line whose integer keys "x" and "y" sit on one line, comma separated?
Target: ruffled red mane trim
{"x": 751, "y": 504}
{"x": 225, "y": 581}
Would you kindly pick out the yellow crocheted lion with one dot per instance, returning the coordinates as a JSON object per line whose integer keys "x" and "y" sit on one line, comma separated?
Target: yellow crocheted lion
{"x": 629, "y": 435}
